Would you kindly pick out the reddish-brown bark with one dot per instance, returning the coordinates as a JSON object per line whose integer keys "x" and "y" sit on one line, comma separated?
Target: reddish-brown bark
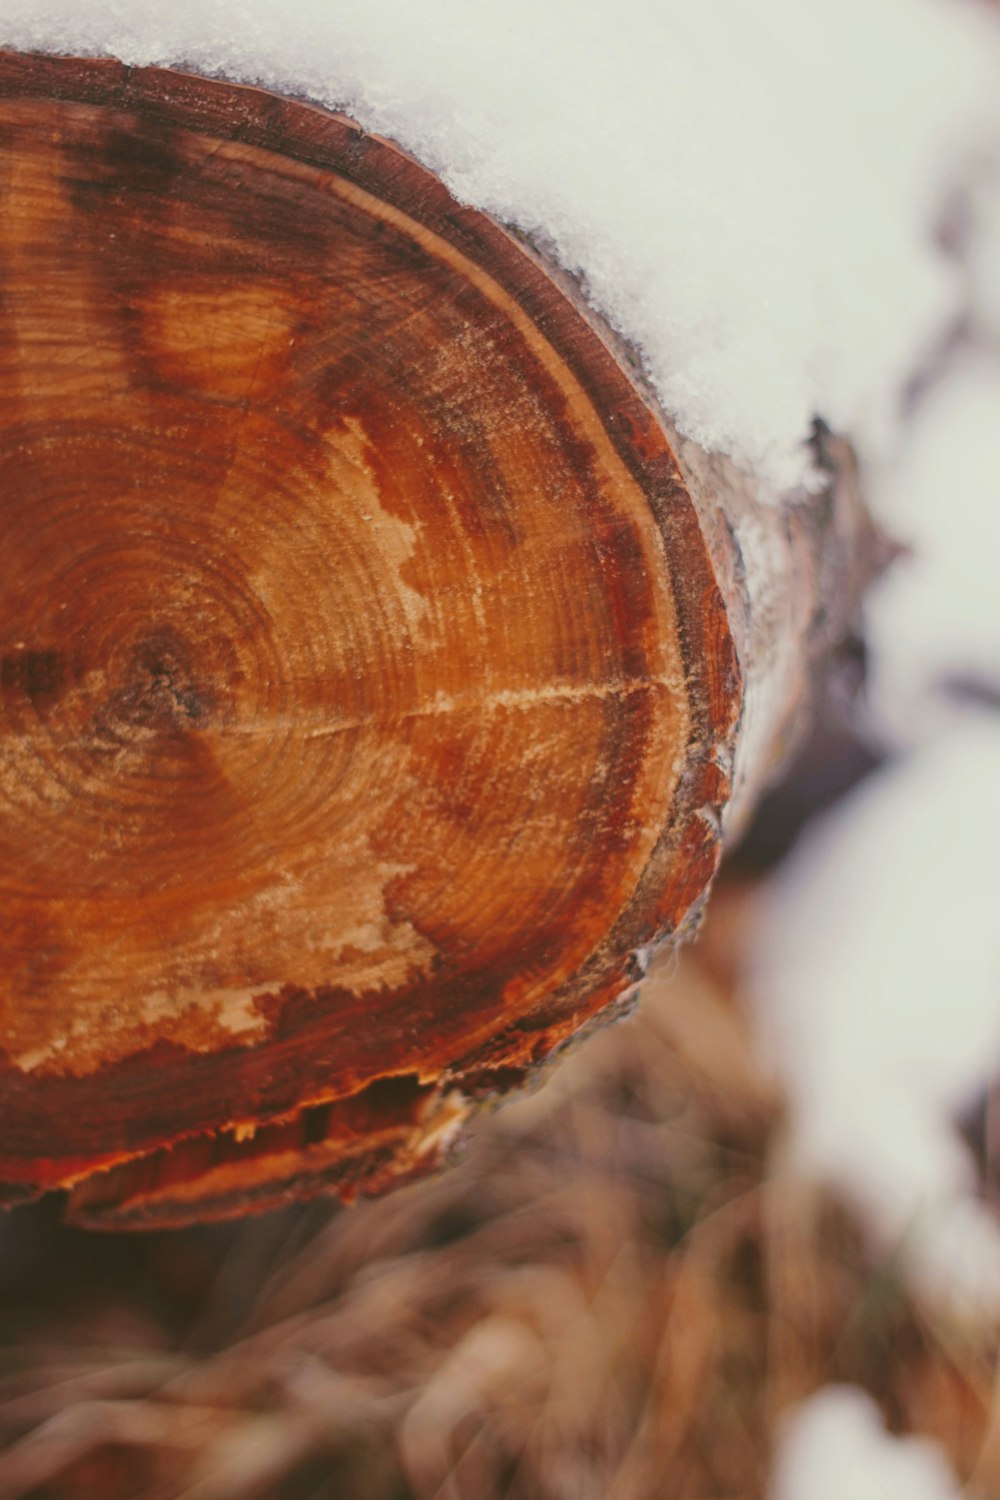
{"x": 371, "y": 666}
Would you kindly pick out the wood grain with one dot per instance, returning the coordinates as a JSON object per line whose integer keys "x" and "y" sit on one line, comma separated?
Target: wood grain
{"x": 367, "y": 698}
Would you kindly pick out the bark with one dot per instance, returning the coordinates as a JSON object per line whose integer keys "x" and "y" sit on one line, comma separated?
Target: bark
{"x": 377, "y": 666}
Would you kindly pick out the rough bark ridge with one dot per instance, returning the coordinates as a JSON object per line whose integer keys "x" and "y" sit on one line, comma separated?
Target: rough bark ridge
{"x": 375, "y": 665}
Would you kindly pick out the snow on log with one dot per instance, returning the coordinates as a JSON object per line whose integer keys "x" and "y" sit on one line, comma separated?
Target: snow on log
{"x": 377, "y": 666}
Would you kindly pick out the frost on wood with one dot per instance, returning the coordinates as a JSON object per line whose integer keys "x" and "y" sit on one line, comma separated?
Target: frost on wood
{"x": 750, "y": 194}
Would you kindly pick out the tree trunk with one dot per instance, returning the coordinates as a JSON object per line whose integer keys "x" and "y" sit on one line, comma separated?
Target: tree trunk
{"x": 376, "y": 665}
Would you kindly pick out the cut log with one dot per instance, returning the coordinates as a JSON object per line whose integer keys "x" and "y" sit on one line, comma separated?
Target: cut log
{"x": 376, "y": 665}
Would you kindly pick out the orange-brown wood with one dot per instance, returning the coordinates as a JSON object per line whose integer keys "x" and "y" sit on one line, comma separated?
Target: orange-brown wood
{"x": 368, "y": 700}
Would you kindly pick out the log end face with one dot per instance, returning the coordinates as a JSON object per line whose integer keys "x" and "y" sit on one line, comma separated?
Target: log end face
{"x": 366, "y": 694}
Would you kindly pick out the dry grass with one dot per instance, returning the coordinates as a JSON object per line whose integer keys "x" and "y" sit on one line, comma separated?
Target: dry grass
{"x": 614, "y": 1295}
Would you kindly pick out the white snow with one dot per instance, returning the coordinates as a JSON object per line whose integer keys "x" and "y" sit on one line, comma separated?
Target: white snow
{"x": 878, "y": 976}
{"x": 935, "y": 617}
{"x": 835, "y": 1445}
{"x": 749, "y": 191}
{"x": 983, "y": 247}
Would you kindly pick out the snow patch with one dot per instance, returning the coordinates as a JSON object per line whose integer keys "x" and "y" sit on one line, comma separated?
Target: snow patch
{"x": 835, "y": 1445}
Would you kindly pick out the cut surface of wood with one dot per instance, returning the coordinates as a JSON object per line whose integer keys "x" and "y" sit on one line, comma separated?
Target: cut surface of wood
{"x": 367, "y": 695}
